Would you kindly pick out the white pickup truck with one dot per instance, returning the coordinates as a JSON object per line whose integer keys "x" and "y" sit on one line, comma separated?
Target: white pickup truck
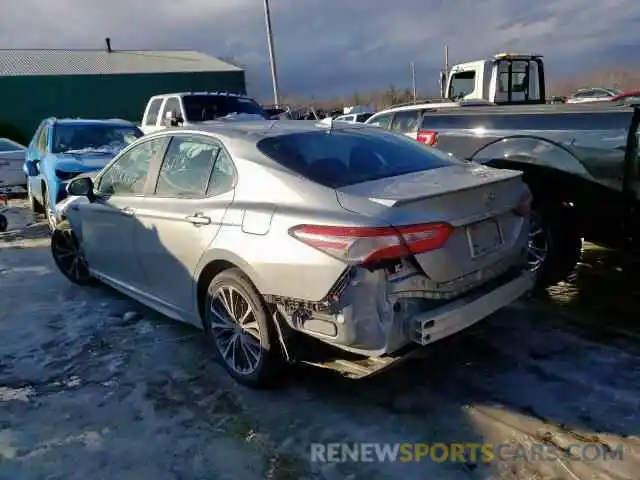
{"x": 174, "y": 109}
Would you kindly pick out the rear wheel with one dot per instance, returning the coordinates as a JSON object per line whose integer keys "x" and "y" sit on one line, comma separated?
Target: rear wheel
{"x": 242, "y": 334}
{"x": 4, "y": 224}
{"x": 68, "y": 255}
{"x": 555, "y": 245}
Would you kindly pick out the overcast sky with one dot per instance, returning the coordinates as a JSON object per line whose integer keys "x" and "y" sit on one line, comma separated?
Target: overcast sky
{"x": 335, "y": 47}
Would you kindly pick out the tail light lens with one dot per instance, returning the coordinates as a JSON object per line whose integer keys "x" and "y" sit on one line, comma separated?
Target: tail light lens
{"x": 524, "y": 206}
{"x": 428, "y": 137}
{"x": 360, "y": 245}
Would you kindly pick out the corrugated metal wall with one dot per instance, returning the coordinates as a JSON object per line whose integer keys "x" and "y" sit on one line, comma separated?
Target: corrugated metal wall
{"x": 25, "y": 101}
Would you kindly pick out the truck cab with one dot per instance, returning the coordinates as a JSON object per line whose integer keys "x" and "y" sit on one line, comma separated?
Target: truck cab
{"x": 187, "y": 108}
{"x": 504, "y": 79}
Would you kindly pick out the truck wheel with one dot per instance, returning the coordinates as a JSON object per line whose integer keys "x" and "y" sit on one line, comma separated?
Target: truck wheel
{"x": 555, "y": 245}
{"x": 241, "y": 331}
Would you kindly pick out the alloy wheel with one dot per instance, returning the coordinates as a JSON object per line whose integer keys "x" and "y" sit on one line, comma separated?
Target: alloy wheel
{"x": 538, "y": 245}
{"x": 69, "y": 256}
{"x": 235, "y": 330}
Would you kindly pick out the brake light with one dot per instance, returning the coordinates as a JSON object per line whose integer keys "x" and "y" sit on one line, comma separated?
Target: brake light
{"x": 428, "y": 137}
{"x": 524, "y": 206}
{"x": 359, "y": 245}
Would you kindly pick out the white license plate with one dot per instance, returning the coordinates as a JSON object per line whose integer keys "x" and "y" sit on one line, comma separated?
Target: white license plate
{"x": 484, "y": 237}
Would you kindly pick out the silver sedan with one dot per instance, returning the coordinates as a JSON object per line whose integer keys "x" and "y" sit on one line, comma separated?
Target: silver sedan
{"x": 260, "y": 231}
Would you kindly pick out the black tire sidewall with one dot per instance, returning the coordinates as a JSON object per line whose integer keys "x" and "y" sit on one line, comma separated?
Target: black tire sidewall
{"x": 59, "y": 230}
{"x": 564, "y": 245}
{"x": 265, "y": 373}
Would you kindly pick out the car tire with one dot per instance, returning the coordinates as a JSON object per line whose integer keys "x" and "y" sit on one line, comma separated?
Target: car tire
{"x": 4, "y": 224}
{"x": 563, "y": 244}
{"x": 68, "y": 255}
{"x": 239, "y": 343}
{"x": 34, "y": 205}
{"x": 46, "y": 208}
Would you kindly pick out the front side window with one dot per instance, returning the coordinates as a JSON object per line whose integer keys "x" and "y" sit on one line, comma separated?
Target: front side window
{"x": 127, "y": 175}
{"x": 186, "y": 167}
{"x": 42, "y": 141}
{"x": 154, "y": 110}
{"x": 96, "y": 138}
{"x": 383, "y": 120}
{"x": 462, "y": 84}
{"x": 344, "y": 157}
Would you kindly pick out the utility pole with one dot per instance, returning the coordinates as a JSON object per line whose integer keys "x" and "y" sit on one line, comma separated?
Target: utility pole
{"x": 272, "y": 55}
{"x": 446, "y": 59}
{"x": 413, "y": 82}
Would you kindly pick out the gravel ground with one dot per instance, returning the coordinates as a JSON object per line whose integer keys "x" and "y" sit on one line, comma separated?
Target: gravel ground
{"x": 93, "y": 385}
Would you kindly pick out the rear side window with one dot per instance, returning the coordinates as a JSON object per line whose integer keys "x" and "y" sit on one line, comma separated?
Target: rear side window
{"x": 406, "y": 121}
{"x": 342, "y": 158}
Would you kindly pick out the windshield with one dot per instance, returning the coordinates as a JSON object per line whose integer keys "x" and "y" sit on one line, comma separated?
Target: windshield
{"x": 462, "y": 84}
{"x": 7, "y": 145}
{"x": 93, "y": 138}
{"x": 347, "y": 157}
{"x": 200, "y": 108}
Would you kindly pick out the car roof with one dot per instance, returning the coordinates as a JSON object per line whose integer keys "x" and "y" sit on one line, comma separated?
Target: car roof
{"x": 213, "y": 94}
{"x": 256, "y": 130}
{"x": 91, "y": 121}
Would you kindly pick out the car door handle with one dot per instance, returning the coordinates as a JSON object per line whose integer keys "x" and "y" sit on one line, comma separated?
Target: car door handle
{"x": 127, "y": 211}
{"x": 198, "y": 219}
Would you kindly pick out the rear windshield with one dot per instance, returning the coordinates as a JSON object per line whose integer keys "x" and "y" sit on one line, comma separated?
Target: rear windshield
{"x": 343, "y": 157}
{"x": 200, "y": 108}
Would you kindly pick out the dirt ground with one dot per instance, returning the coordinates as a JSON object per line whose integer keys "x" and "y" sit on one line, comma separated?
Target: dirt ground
{"x": 93, "y": 385}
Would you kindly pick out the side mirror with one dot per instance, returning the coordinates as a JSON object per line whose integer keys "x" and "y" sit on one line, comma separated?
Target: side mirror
{"x": 32, "y": 168}
{"x": 81, "y": 187}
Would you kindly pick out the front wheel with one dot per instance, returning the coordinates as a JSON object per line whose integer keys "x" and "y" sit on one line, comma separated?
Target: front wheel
{"x": 48, "y": 210}
{"x": 555, "y": 245}
{"x": 33, "y": 203}
{"x": 68, "y": 255}
{"x": 242, "y": 334}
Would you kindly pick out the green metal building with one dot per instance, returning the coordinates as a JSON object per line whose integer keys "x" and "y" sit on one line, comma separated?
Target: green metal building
{"x": 35, "y": 84}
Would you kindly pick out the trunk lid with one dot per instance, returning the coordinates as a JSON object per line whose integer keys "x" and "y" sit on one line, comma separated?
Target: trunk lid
{"x": 477, "y": 201}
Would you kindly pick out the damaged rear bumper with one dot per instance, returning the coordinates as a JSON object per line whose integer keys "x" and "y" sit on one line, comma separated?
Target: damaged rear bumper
{"x": 375, "y": 318}
{"x": 432, "y": 326}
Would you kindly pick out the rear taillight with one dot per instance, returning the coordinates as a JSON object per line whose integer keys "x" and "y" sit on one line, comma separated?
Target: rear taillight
{"x": 359, "y": 245}
{"x": 428, "y": 137}
{"x": 524, "y": 206}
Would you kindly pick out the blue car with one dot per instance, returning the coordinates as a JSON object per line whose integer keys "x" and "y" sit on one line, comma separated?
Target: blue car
{"x": 63, "y": 148}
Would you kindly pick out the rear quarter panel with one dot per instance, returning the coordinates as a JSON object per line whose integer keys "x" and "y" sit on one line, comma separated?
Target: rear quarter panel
{"x": 255, "y": 235}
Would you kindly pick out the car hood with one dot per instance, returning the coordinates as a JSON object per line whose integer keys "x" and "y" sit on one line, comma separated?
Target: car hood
{"x": 82, "y": 162}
